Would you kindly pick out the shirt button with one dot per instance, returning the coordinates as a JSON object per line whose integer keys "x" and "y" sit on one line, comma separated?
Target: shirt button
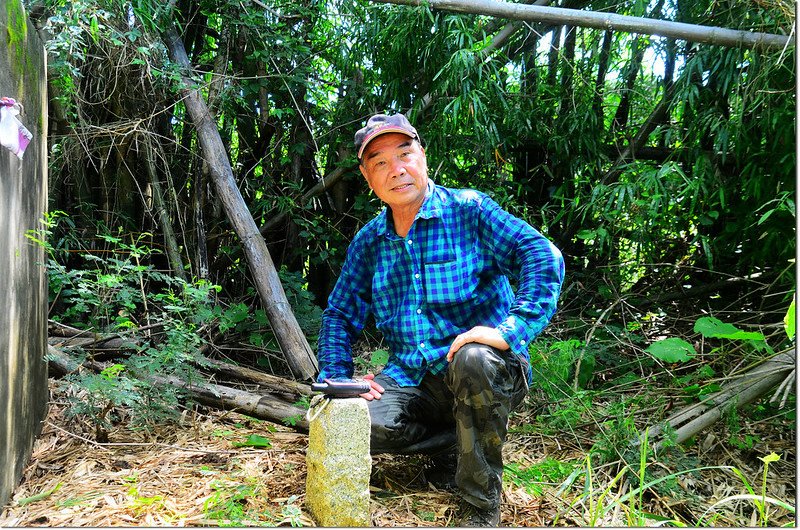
{"x": 416, "y": 276}
{"x": 410, "y": 241}
{"x": 522, "y": 342}
{"x": 421, "y": 344}
{"x": 419, "y": 311}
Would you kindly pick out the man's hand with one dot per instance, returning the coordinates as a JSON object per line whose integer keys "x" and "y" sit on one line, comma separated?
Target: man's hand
{"x": 376, "y": 391}
{"x": 481, "y": 334}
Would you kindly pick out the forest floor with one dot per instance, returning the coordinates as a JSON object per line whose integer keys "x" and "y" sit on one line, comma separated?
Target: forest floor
{"x": 196, "y": 473}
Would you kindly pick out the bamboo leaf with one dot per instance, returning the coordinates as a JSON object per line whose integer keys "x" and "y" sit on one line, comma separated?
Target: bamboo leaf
{"x": 39, "y": 496}
{"x": 254, "y": 440}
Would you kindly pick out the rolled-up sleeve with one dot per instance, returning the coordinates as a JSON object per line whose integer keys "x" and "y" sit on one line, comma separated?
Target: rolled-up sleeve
{"x": 526, "y": 256}
{"x": 344, "y": 317}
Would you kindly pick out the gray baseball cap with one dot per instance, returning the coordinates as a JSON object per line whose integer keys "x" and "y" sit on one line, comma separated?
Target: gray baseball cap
{"x": 382, "y": 124}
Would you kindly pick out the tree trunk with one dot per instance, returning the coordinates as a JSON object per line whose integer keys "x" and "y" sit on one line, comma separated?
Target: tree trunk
{"x": 657, "y": 116}
{"x": 600, "y": 81}
{"x": 567, "y": 103}
{"x": 552, "y": 57}
{"x": 609, "y": 21}
{"x": 284, "y": 324}
{"x": 620, "y": 121}
{"x": 147, "y": 155}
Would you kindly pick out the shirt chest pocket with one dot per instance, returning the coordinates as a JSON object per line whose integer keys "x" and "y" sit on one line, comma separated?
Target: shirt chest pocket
{"x": 449, "y": 281}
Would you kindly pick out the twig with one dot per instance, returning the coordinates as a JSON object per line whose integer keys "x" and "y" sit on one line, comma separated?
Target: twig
{"x": 79, "y": 437}
{"x": 137, "y": 444}
{"x": 588, "y": 339}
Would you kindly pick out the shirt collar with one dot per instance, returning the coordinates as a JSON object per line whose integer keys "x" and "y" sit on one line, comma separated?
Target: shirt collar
{"x": 431, "y": 207}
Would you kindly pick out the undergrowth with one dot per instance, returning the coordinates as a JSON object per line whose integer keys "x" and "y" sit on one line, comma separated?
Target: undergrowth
{"x": 605, "y": 410}
{"x": 165, "y": 323}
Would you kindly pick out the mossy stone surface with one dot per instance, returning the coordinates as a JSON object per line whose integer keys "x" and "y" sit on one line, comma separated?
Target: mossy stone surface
{"x": 339, "y": 463}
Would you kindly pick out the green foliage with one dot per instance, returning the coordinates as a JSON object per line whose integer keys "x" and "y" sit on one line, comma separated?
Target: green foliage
{"x": 712, "y": 327}
{"x": 307, "y": 313}
{"x": 553, "y": 363}
{"x": 672, "y": 350}
{"x": 228, "y": 504}
{"x": 761, "y": 501}
{"x": 254, "y": 440}
{"x": 377, "y": 359}
{"x": 789, "y": 321}
{"x": 547, "y": 472}
{"x": 234, "y": 504}
{"x": 710, "y": 188}
{"x": 158, "y": 317}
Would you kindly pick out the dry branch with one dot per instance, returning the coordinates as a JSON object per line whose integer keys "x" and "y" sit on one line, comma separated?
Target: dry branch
{"x": 745, "y": 389}
{"x": 266, "y": 407}
{"x": 273, "y": 384}
{"x": 69, "y": 337}
{"x": 608, "y": 21}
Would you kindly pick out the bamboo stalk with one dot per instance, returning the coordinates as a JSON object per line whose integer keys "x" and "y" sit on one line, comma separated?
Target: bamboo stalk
{"x": 293, "y": 343}
{"x": 609, "y": 21}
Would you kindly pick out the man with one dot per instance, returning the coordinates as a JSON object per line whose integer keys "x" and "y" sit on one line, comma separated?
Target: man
{"x": 433, "y": 268}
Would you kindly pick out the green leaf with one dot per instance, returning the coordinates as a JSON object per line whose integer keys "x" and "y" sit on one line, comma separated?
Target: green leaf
{"x": 772, "y": 457}
{"x": 672, "y": 350}
{"x": 711, "y": 327}
{"x": 789, "y": 320}
{"x": 40, "y": 496}
{"x": 379, "y": 357}
{"x": 254, "y": 440}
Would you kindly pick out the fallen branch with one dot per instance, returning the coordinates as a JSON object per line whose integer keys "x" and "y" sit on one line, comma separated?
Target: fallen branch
{"x": 92, "y": 342}
{"x": 742, "y": 390}
{"x": 273, "y": 383}
{"x": 265, "y": 407}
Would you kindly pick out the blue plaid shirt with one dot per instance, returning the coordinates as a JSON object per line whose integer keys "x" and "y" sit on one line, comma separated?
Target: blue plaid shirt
{"x": 449, "y": 274}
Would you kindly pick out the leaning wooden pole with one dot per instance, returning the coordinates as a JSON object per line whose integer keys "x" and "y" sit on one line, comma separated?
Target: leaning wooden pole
{"x": 608, "y": 21}
{"x": 287, "y": 331}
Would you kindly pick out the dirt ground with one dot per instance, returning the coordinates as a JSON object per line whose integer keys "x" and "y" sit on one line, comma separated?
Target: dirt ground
{"x": 197, "y": 474}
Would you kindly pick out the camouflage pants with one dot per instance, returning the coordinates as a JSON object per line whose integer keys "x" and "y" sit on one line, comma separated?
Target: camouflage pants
{"x": 467, "y": 410}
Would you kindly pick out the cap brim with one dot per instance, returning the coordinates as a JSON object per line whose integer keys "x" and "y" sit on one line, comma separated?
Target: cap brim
{"x": 382, "y": 130}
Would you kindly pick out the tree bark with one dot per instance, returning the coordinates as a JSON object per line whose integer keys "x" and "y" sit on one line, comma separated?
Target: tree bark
{"x": 609, "y": 21}
{"x": 620, "y": 121}
{"x": 273, "y": 383}
{"x": 264, "y": 407}
{"x": 567, "y": 97}
{"x": 553, "y": 55}
{"x": 284, "y": 324}
{"x": 600, "y": 80}
{"x": 260, "y": 406}
{"x": 64, "y": 336}
{"x": 147, "y": 154}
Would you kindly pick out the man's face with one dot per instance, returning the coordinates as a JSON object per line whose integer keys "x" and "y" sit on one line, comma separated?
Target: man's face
{"x": 396, "y": 170}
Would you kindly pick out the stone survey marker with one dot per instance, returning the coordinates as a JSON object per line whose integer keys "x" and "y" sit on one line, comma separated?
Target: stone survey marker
{"x": 339, "y": 463}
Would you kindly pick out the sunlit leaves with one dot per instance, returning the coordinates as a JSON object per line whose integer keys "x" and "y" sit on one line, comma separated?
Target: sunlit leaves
{"x": 672, "y": 350}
